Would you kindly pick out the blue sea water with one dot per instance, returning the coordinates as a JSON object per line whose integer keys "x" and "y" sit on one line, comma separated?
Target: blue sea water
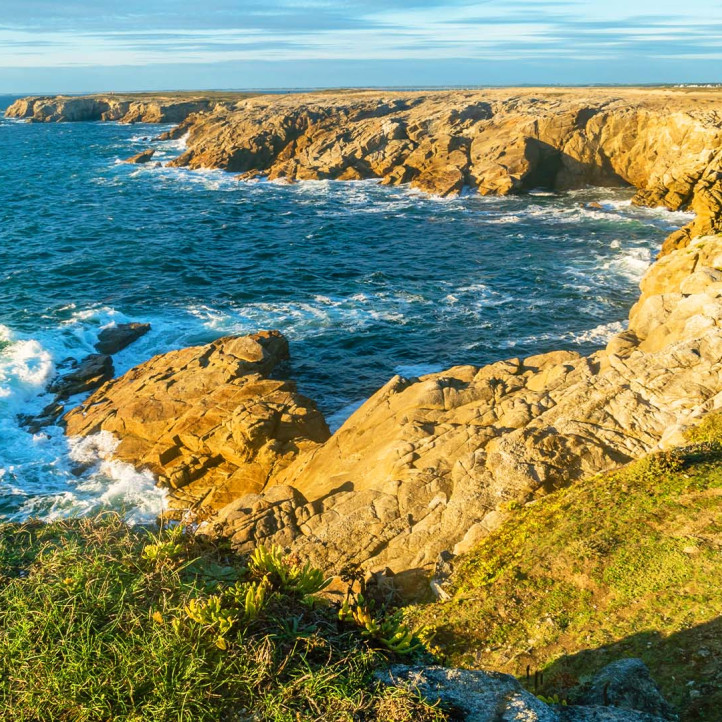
{"x": 366, "y": 282}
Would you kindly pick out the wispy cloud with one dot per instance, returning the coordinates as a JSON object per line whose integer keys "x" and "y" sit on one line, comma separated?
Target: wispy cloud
{"x": 144, "y": 33}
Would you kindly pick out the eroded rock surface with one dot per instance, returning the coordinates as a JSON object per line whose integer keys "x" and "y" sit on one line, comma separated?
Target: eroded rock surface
{"x": 431, "y": 464}
{"x": 207, "y": 420}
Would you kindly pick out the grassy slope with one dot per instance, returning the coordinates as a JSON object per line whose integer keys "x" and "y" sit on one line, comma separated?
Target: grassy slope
{"x": 94, "y": 626}
{"x": 625, "y": 564}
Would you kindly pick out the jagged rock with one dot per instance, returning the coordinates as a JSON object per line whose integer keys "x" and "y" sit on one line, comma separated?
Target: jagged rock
{"x": 478, "y": 696}
{"x": 145, "y": 156}
{"x": 93, "y": 371}
{"x": 49, "y": 416}
{"x": 115, "y": 338}
{"x": 207, "y": 420}
{"x": 627, "y": 683}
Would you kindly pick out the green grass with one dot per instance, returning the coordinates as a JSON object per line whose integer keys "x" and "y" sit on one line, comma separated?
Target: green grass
{"x": 99, "y": 621}
{"x": 624, "y": 564}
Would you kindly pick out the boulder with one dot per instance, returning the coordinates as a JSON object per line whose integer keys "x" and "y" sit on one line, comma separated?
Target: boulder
{"x": 628, "y": 684}
{"x": 207, "y": 420}
{"x": 115, "y": 338}
{"x": 49, "y": 416}
{"x": 90, "y": 373}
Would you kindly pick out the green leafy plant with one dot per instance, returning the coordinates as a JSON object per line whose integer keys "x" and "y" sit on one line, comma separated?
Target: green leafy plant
{"x": 170, "y": 548}
{"x": 390, "y": 630}
{"x": 292, "y": 578}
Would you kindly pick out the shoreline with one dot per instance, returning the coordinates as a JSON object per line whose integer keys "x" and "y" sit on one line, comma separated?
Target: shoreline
{"x": 457, "y": 443}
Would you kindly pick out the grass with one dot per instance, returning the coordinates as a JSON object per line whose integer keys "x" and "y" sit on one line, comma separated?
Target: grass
{"x": 624, "y": 564}
{"x": 99, "y": 621}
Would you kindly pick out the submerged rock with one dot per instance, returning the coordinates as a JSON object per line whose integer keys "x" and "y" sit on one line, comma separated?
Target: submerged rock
{"x": 49, "y": 416}
{"x": 115, "y": 338}
{"x": 144, "y": 157}
{"x": 207, "y": 420}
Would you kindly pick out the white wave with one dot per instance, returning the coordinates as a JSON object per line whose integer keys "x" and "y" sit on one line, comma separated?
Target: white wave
{"x": 632, "y": 263}
{"x": 599, "y": 336}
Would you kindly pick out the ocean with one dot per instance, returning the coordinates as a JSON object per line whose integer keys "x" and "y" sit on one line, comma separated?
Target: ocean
{"x": 365, "y": 281}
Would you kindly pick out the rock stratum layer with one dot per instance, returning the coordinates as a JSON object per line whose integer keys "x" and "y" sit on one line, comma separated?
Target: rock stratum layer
{"x": 427, "y": 465}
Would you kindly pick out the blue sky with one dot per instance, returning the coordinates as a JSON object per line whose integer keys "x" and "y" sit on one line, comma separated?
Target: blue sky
{"x": 86, "y": 45}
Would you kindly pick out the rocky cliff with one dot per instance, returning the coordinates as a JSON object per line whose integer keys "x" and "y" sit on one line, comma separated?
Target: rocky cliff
{"x": 427, "y": 465}
{"x": 430, "y": 465}
{"x": 665, "y": 143}
{"x": 125, "y": 109}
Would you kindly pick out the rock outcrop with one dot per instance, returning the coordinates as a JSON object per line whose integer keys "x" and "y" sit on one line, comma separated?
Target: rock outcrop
{"x": 432, "y": 464}
{"x": 125, "y": 109}
{"x": 115, "y": 338}
{"x": 207, "y": 420}
{"x": 145, "y": 156}
{"x": 429, "y": 465}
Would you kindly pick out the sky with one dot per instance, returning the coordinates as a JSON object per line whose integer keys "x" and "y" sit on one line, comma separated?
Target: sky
{"x": 96, "y": 45}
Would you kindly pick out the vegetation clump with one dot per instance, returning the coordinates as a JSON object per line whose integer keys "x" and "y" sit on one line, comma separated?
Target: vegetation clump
{"x": 625, "y": 564}
{"x": 100, "y": 621}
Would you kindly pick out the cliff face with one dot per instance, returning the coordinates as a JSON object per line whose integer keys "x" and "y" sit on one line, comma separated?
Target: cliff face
{"x": 108, "y": 108}
{"x": 667, "y": 144}
{"x": 426, "y": 465}
{"x": 433, "y": 464}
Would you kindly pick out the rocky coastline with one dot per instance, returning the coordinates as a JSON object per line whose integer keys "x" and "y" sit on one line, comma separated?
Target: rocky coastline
{"x": 666, "y": 143}
{"x": 429, "y": 466}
